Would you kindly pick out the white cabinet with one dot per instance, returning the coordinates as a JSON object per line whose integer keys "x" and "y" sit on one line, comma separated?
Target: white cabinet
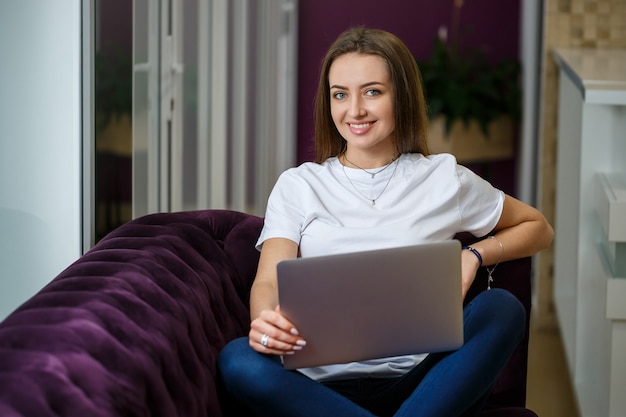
{"x": 590, "y": 226}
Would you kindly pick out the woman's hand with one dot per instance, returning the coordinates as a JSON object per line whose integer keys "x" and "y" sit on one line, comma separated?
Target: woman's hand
{"x": 469, "y": 268}
{"x": 272, "y": 333}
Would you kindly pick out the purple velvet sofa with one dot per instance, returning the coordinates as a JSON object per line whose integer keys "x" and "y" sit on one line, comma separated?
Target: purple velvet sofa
{"x": 134, "y": 326}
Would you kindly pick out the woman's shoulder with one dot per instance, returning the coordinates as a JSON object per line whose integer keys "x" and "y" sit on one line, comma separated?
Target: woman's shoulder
{"x": 439, "y": 167}
{"x": 431, "y": 159}
{"x": 303, "y": 173}
{"x": 305, "y": 169}
{"x": 418, "y": 162}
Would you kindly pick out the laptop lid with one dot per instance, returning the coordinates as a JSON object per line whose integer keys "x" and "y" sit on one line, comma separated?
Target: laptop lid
{"x": 373, "y": 304}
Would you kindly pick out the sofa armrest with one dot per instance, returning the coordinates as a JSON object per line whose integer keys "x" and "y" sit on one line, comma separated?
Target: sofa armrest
{"x": 135, "y": 325}
{"x": 515, "y": 277}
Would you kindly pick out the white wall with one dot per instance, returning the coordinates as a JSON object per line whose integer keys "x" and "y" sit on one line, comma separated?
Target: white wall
{"x": 40, "y": 144}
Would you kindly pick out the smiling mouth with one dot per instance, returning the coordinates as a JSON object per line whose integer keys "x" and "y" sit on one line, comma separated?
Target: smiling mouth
{"x": 359, "y": 125}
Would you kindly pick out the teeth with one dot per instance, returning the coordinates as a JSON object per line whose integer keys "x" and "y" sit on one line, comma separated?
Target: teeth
{"x": 359, "y": 126}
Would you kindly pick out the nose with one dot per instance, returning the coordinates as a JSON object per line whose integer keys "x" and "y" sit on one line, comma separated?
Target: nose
{"x": 356, "y": 107}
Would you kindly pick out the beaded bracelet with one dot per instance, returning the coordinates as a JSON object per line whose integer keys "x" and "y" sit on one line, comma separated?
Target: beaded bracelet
{"x": 475, "y": 252}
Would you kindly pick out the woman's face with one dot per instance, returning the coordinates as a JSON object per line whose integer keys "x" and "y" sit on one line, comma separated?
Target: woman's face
{"x": 361, "y": 103}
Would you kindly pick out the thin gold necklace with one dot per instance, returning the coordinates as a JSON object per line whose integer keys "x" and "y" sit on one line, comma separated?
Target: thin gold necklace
{"x": 373, "y": 200}
{"x": 373, "y": 174}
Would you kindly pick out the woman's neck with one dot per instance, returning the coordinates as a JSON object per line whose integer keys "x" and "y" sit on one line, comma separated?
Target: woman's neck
{"x": 366, "y": 161}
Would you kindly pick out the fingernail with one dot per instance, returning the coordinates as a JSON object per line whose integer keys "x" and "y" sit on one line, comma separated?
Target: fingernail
{"x": 297, "y": 348}
{"x": 291, "y": 352}
{"x": 294, "y": 332}
{"x": 301, "y": 342}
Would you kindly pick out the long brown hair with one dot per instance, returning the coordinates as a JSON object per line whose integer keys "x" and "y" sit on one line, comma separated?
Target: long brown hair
{"x": 409, "y": 104}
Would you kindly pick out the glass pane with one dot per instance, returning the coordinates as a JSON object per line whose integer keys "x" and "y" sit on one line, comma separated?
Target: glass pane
{"x": 140, "y": 31}
{"x": 145, "y": 109}
{"x": 113, "y": 104}
{"x": 190, "y": 104}
{"x": 140, "y": 142}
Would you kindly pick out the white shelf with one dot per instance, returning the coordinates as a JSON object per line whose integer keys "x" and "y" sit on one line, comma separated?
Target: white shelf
{"x": 611, "y": 210}
{"x": 616, "y": 299}
{"x": 599, "y": 74}
{"x": 612, "y": 206}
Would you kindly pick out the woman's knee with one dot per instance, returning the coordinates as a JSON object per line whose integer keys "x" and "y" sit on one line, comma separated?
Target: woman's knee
{"x": 508, "y": 304}
{"x": 500, "y": 299}
{"x": 509, "y": 313}
{"x": 241, "y": 366}
{"x": 232, "y": 361}
{"x": 238, "y": 362}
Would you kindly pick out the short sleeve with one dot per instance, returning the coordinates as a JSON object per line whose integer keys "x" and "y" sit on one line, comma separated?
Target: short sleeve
{"x": 284, "y": 215}
{"x": 480, "y": 203}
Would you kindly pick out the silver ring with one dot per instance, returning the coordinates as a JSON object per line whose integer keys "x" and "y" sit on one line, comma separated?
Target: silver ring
{"x": 264, "y": 339}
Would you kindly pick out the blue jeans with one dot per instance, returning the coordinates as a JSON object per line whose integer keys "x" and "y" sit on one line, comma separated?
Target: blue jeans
{"x": 444, "y": 384}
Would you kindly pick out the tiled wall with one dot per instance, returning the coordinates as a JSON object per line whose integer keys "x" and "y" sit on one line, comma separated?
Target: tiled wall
{"x": 572, "y": 24}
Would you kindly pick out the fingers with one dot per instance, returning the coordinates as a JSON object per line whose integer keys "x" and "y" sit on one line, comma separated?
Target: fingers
{"x": 272, "y": 333}
{"x": 276, "y": 345}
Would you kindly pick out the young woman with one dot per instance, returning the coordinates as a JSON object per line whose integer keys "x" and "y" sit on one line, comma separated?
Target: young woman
{"x": 374, "y": 185}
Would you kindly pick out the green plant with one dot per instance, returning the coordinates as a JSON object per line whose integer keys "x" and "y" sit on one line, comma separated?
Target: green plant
{"x": 113, "y": 86}
{"x": 468, "y": 87}
{"x": 463, "y": 84}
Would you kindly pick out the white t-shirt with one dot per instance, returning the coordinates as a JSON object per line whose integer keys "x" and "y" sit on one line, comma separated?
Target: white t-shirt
{"x": 327, "y": 209}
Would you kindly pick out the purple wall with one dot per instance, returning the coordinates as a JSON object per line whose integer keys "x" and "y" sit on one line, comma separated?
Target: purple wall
{"x": 494, "y": 25}
{"x": 114, "y": 25}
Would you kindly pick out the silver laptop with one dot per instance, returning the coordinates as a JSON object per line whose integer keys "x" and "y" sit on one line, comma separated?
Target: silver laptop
{"x": 373, "y": 304}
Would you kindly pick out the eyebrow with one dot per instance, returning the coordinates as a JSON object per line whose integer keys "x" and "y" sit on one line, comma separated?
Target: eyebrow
{"x": 361, "y": 86}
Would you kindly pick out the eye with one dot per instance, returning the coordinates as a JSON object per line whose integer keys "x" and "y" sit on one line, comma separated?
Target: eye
{"x": 372, "y": 92}
{"x": 339, "y": 95}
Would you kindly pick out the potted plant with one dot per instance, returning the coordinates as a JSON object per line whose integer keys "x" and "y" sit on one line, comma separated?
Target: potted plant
{"x": 113, "y": 101}
{"x": 473, "y": 104}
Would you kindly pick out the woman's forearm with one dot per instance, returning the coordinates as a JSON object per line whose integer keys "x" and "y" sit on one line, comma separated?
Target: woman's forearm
{"x": 522, "y": 231}
{"x": 263, "y": 296}
{"x": 515, "y": 242}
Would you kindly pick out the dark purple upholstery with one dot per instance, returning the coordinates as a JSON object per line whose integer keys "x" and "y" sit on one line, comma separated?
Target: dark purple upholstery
{"x": 133, "y": 327}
